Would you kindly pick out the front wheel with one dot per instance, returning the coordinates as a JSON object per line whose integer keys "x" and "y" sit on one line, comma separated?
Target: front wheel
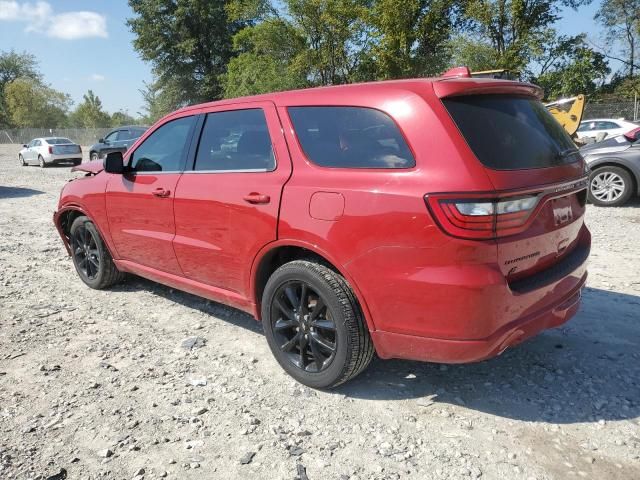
{"x": 91, "y": 258}
{"x": 314, "y": 325}
{"x": 610, "y": 186}
{"x": 21, "y": 160}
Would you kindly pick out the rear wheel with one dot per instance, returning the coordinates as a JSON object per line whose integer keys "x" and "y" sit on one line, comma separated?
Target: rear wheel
{"x": 93, "y": 156}
{"x": 41, "y": 162}
{"x": 314, "y": 325}
{"x": 91, "y": 258}
{"x": 610, "y": 186}
{"x": 21, "y": 160}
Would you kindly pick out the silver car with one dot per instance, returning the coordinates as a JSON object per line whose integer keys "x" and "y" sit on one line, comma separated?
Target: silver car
{"x": 48, "y": 150}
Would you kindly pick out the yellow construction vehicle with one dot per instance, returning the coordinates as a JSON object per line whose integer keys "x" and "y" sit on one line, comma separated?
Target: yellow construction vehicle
{"x": 568, "y": 112}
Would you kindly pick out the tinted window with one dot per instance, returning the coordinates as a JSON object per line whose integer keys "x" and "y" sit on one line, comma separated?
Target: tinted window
{"x": 606, "y": 125}
{"x": 112, "y": 137}
{"x": 137, "y": 132}
{"x": 235, "y": 140}
{"x": 58, "y": 141}
{"x": 124, "y": 135}
{"x": 510, "y": 133}
{"x": 165, "y": 148}
{"x": 350, "y": 137}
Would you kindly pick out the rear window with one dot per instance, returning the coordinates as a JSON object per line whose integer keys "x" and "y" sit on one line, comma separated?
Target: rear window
{"x": 350, "y": 137}
{"x": 58, "y": 141}
{"x": 511, "y": 133}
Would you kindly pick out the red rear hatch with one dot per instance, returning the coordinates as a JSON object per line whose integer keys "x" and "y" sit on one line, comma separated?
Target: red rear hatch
{"x": 537, "y": 209}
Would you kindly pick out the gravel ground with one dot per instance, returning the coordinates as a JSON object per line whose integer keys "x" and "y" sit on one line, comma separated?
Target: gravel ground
{"x": 104, "y": 385}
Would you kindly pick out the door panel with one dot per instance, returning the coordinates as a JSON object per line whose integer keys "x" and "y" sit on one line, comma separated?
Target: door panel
{"x": 140, "y": 221}
{"x": 140, "y": 203}
{"x": 226, "y": 209}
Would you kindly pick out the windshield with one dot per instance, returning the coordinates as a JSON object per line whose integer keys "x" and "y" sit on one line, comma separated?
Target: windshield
{"x": 511, "y": 133}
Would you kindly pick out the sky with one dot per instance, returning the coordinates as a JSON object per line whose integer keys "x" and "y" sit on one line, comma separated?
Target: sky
{"x": 85, "y": 44}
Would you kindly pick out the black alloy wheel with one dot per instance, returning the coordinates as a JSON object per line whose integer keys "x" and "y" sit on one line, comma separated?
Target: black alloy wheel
{"x": 304, "y": 327}
{"x": 85, "y": 252}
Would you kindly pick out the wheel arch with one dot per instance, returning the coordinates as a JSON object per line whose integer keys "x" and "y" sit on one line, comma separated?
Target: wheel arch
{"x": 276, "y": 254}
{"x": 63, "y": 219}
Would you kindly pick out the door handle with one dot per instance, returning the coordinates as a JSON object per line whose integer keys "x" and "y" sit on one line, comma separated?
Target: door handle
{"x": 161, "y": 192}
{"x": 255, "y": 198}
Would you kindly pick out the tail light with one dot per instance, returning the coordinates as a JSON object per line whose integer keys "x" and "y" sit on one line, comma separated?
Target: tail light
{"x": 50, "y": 149}
{"x": 481, "y": 218}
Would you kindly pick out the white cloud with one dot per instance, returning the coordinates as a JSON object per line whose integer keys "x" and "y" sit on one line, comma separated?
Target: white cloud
{"x": 74, "y": 25}
{"x": 96, "y": 77}
{"x": 40, "y": 18}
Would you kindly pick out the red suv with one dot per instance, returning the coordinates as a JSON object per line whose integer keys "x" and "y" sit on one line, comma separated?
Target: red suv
{"x": 433, "y": 219}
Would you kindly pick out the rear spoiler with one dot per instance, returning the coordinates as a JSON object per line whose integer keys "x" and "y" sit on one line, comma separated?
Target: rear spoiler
{"x": 458, "y": 86}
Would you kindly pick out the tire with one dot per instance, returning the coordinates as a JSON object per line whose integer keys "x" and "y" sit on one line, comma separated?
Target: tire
{"x": 41, "y": 162}
{"x": 339, "y": 323}
{"x": 22, "y": 162}
{"x": 97, "y": 270}
{"x": 610, "y": 186}
{"x": 93, "y": 156}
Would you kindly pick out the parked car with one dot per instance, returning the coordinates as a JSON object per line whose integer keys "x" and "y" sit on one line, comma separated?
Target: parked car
{"x": 435, "y": 219}
{"x": 117, "y": 140}
{"x": 600, "y": 128}
{"x": 49, "y": 150}
{"x": 615, "y": 169}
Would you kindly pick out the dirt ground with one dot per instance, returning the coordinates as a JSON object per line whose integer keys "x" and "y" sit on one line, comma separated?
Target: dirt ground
{"x": 99, "y": 383}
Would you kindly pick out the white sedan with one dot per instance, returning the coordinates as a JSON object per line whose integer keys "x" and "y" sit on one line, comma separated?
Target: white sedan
{"x": 48, "y": 150}
{"x": 601, "y": 128}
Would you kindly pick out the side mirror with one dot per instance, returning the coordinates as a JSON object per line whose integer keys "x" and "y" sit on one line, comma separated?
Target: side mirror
{"x": 101, "y": 140}
{"x": 114, "y": 163}
{"x": 24, "y": 145}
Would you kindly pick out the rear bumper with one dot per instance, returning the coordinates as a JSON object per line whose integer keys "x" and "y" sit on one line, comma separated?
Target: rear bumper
{"x": 69, "y": 157}
{"x": 410, "y": 347}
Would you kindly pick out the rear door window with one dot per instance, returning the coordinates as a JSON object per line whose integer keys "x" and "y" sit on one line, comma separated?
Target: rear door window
{"x": 350, "y": 137}
{"x": 511, "y": 133}
{"x": 237, "y": 140}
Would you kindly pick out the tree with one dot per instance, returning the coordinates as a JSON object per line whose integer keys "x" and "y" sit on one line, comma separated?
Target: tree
{"x": 409, "y": 37}
{"x": 569, "y": 67}
{"x": 270, "y": 59}
{"x": 32, "y": 104}
{"x": 516, "y": 30}
{"x": 14, "y": 65}
{"x": 89, "y": 113}
{"x": 188, "y": 42}
{"x": 621, "y": 20}
{"x": 158, "y": 101}
{"x": 121, "y": 118}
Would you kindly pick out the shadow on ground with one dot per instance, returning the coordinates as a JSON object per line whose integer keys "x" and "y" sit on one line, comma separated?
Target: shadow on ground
{"x": 585, "y": 371}
{"x": 17, "y": 192}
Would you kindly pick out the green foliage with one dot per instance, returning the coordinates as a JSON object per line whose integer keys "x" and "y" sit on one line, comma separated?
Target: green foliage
{"x": 409, "y": 37}
{"x": 32, "y": 104}
{"x": 265, "y": 63}
{"x": 121, "y": 118}
{"x": 158, "y": 101}
{"x": 89, "y": 113}
{"x": 14, "y": 65}
{"x": 570, "y": 66}
{"x": 188, "y": 42}
{"x": 621, "y": 20}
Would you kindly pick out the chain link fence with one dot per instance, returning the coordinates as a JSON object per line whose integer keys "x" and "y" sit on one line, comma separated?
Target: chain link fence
{"x": 81, "y": 136}
{"x": 627, "y": 110}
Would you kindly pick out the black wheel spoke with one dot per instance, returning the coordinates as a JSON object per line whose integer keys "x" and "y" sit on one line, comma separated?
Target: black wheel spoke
{"x": 317, "y": 309}
{"x": 291, "y": 295}
{"x": 288, "y": 346}
{"x": 287, "y": 311}
{"x": 304, "y": 299}
{"x": 317, "y": 355}
{"x": 302, "y": 345}
{"x": 282, "y": 324}
{"x": 324, "y": 343}
{"x": 324, "y": 324}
